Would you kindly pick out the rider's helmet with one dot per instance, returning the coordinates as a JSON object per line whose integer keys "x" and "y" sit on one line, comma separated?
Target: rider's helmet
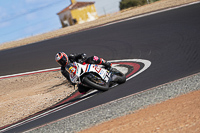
{"x": 61, "y": 58}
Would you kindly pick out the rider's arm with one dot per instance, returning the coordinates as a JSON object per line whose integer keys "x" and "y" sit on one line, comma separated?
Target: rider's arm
{"x": 77, "y": 57}
{"x": 65, "y": 73}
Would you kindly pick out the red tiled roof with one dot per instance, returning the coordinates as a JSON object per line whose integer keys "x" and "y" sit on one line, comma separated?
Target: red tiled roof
{"x": 67, "y": 8}
{"x": 75, "y": 6}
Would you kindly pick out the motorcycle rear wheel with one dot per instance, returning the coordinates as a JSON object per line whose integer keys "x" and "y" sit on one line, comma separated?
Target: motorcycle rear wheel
{"x": 121, "y": 78}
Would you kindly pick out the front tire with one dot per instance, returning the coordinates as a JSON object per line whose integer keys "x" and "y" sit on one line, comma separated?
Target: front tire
{"x": 103, "y": 87}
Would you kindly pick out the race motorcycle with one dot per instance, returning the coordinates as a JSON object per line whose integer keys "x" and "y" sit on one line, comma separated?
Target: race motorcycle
{"x": 95, "y": 76}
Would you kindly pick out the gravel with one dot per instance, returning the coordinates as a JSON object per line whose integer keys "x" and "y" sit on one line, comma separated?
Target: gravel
{"x": 121, "y": 107}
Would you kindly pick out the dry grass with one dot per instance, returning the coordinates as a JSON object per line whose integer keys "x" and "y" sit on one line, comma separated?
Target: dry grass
{"x": 26, "y": 95}
{"x": 178, "y": 115}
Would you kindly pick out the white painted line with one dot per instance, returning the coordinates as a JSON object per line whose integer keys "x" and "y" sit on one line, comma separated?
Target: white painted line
{"x": 29, "y": 73}
{"x": 42, "y": 115}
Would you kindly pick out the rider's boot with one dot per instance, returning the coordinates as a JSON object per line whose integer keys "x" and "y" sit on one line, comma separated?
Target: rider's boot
{"x": 107, "y": 65}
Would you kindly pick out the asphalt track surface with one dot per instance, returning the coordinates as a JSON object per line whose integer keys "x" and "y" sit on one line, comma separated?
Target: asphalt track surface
{"x": 170, "y": 40}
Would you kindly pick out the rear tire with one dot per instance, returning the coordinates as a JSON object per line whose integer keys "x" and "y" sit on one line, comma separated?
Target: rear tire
{"x": 121, "y": 78}
{"x": 90, "y": 83}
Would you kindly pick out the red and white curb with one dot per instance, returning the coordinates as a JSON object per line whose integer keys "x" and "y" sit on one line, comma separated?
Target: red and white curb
{"x": 146, "y": 63}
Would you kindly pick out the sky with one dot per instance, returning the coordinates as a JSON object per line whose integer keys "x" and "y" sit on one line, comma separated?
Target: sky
{"x": 24, "y": 18}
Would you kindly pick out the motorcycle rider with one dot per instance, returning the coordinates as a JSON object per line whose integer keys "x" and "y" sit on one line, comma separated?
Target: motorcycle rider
{"x": 64, "y": 61}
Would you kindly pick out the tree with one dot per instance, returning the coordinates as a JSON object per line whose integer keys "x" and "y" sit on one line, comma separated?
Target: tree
{"x": 131, "y": 3}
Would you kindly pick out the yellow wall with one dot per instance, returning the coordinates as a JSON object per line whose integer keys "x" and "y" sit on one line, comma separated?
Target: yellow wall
{"x": 84, "y": 14}
{"x": 73, "y": 1}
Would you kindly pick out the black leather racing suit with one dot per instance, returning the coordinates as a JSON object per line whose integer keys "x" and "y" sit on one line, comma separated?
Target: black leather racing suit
{"x": 82, "y": 58}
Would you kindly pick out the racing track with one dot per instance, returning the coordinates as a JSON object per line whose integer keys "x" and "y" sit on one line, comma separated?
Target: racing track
{"x": 170, "y": 40}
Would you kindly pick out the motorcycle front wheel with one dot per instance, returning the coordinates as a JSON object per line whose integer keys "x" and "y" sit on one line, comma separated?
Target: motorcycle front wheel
{"x": 95, "y": 85}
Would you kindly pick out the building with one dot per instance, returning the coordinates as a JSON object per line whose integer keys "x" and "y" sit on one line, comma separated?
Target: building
{"x": 77, "y": 13}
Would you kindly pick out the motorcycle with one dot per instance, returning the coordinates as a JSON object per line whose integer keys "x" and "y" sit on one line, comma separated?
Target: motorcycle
{"x": 95, "y": 76}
